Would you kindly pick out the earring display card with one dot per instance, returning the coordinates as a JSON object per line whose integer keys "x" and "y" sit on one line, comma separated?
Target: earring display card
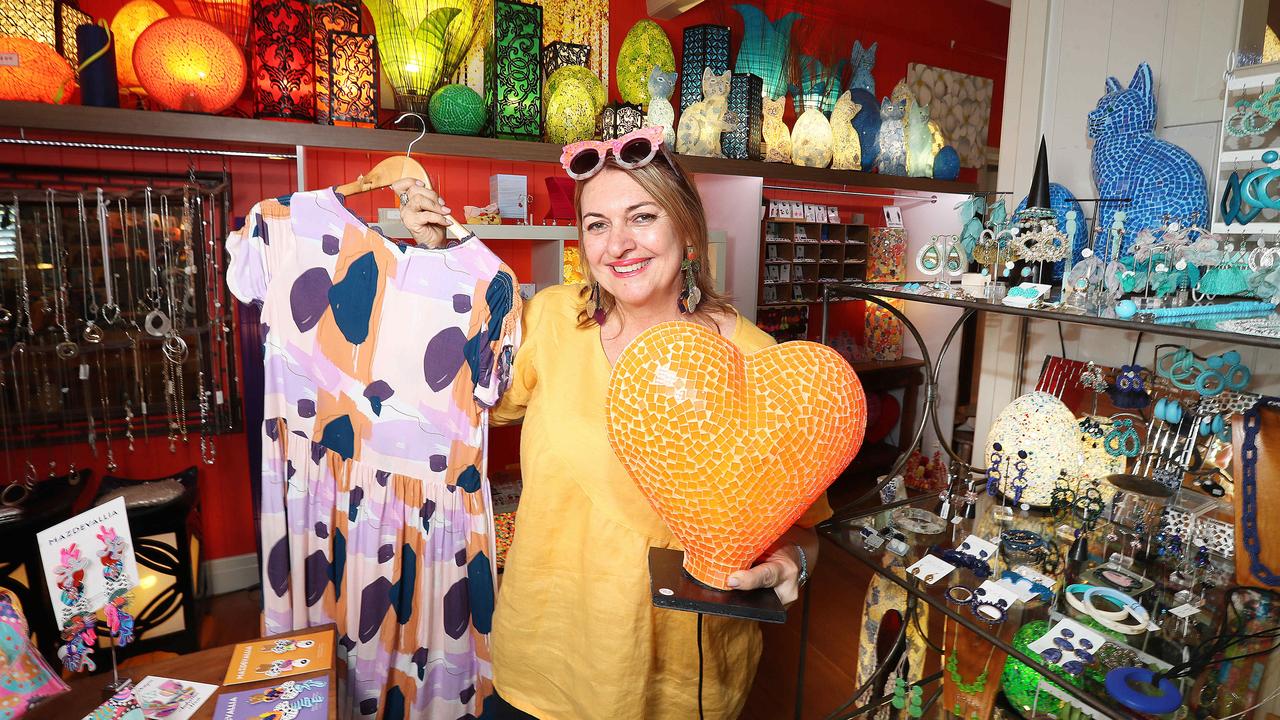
{"x": 978, "y": 546}
{"x": 171, "y": 699}
{"x": 994, "y": 591}
{"x": 931, "y": 565}
{"x": 268, "y": 659}
{"x": 1077, "y": 633}
{"x": 70, "y": 552}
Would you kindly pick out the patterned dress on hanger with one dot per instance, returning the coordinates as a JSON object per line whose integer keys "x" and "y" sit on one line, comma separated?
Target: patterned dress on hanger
{"x": 381, "y": 361}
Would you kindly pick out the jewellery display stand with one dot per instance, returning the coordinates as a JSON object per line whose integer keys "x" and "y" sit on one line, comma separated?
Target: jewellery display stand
{"x": 846, "y": 528}
{"x": 798, "y": 258}
{"x": 1243, "y": 155}
{"x": 674, "y": 589}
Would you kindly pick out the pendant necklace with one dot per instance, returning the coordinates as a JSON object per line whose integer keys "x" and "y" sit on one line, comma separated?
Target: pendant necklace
{"x": 29, "y": 472}
{"x": 24, "y": 292}
{"x": 156, "y": 322}
{"x": 175, "y": 347}
{"x": 44, "y": 288}
{"x": 213, "y": 309}
{"x": 128, "y": 233}
{"x": 110, "y": 311}
{"x": 106, "y": 417}
{"x": 66, "y": 349}
{"x": 92, "y": 333}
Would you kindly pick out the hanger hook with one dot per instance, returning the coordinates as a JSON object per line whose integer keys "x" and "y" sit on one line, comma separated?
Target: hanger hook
{"x": 422, "y": 134}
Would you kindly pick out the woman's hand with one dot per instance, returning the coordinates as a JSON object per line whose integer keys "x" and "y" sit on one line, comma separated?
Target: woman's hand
{"x": 422, "y": 211}
{"x": 779, "y": 569}
{"x": 779, "y": 566}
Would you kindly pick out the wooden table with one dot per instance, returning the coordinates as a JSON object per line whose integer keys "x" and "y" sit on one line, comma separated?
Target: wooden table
{"x": 206, "y": 666}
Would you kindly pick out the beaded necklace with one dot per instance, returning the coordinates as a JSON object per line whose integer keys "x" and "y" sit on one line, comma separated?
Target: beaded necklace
{"x": 979, "y": 683}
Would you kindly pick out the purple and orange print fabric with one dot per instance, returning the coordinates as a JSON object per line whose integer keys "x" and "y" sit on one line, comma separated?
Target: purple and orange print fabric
{"x": 380, "y": 363}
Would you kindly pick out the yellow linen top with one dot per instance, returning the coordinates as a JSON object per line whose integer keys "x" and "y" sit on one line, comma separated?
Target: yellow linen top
{"x": 575, "y": 635}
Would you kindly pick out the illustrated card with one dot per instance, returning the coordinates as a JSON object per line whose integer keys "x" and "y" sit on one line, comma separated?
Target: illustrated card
{"x": 87, "y": 558}
{"x": 268, "y": 659}
{"x": 164, "y": 698}
{"x": 296, "y": 699}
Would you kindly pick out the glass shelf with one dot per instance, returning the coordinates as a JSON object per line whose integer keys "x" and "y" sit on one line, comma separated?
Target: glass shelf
{"x": 1212, "y": 329}
{"x": 1157, "y": 647}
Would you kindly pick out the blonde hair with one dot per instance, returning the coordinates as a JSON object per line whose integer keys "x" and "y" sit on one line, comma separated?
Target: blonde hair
{"x": 673, "y": 191}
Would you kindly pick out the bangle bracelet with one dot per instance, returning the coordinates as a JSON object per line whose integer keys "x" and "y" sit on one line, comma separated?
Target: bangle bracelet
{"x": 1122, "y": 628}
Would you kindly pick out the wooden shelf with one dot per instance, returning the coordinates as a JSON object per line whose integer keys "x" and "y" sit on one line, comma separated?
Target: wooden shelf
{"x": 219, "y": 129}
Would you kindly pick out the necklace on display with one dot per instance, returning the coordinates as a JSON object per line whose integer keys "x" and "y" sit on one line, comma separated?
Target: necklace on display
{"x": 66, "y": 349}
{"x": 29, "y": 471}
{"x": 92, "y": 333}
{"x": 110, "y": 311}
{"x": 979, "y": 684}
{"x": 24, "y": 291}
{"x": 44, "y": 289}
{"x": 106, "y": 415}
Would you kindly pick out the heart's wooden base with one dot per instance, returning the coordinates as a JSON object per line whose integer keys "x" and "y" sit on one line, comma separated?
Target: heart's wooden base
{"x": 674, "y": 589}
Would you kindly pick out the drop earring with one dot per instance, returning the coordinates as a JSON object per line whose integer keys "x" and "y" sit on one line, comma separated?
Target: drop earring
{"x": 957, "y": 259}
{"x": 597, "y": 314}
{"x": 689, "y": 298}
{"x": 930, "y": 258}
{"x": 993, "y": 469}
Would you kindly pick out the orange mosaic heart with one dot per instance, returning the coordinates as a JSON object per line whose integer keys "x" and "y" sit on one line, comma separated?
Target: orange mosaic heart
{"x": 731, "y": 449}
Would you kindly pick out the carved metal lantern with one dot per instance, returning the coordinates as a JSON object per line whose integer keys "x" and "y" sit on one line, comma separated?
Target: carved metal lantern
{"x": 746, "y": 100}
{"x": 326, "y": 17}
{"x": 705, "y": 46}
{"x": 515, "y": 75}
{"x": 284, "y": 83}
{"x": 353, "y": 79}
{"x": 52, "y": 22}
{"x": 619, "y": 118}
{"x": 559, "y": 53}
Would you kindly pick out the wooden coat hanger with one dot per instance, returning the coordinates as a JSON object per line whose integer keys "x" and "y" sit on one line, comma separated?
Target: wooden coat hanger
{"x": 395, "y": 168}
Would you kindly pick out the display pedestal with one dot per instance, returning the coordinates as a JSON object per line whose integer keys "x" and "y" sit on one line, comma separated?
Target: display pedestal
{"x": 672, "y": 588}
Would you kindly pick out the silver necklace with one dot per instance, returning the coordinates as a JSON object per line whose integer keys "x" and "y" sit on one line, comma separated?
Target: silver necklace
{"x": 110, "y": 311}
{"x": 92, "y": 333}
{"x": 24, "y": 292}
{"x": 66, "y": 349}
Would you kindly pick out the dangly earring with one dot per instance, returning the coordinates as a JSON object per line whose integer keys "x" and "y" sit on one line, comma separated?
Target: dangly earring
{"x": 598, "y": 313}
{"x": 930, "y": 259}
{"x": 689, "y": 298}
{"x": 994, "y": 476}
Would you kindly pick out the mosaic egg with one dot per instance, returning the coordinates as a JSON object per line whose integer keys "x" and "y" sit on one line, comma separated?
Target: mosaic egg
{"x": 571, "y": 114}
{"x": 1039, "y": 425}
{"x": 646, "y": 45}
{"x": 946, "y": 165}
{"x": 577, "y": 75}
{"x": 457, "y": 110}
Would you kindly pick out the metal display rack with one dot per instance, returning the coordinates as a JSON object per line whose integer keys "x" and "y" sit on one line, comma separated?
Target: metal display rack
{"x": 844, "y": 528}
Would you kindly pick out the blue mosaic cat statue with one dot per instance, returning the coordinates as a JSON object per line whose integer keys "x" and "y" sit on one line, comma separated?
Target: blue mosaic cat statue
{"x": 862, "y": 90}
{"x": 1164, "y": 182}
{"x": 893, "y": 140}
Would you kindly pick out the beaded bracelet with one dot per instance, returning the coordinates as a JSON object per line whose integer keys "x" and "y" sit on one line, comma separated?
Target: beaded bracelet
{"x": 960, "y": 594}
{"x": 1243, "y": 307}
{"x": 988, "y": 612}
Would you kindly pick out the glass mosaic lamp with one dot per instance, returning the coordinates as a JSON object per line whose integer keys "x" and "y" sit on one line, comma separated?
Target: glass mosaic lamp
{"x": 129, "y": 23}
{"x": 41, "y": 75}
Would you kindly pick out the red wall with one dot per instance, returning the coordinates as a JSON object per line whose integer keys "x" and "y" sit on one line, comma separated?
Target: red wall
{"x": 964, "y": 35}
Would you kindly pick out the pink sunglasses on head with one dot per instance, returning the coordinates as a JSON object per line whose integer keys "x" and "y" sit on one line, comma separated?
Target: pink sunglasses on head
{"x": 636, "y": 149}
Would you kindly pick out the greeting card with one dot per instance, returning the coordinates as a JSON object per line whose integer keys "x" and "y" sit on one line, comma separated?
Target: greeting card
{"x": 169, "y": 699}
{"x": 295, "y": 700}
{"x": 268, "y": 659}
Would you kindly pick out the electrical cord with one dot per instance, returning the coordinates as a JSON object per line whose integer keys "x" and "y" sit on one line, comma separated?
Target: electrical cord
{"x": 699, "y": 666}
{"x": 1203, "y": 657}
{"x": 1062, "y": 341}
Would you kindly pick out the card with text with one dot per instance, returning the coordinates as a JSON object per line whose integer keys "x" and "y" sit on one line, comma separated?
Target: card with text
{"x": 88, "y": 558}
{"x": 296, "y": 699}
{"x": 268, "y": 659}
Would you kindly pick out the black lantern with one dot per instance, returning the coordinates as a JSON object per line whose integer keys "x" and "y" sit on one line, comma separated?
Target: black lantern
{"x": 514, "y": 84}
{"x": 559, "y": 53}
{"x": 619, "y": 118}
{"x": 326, "y": 17}
{"x": 746, "y": 100}
{"x": 705, "y": 46}
{"x": 52, "y": 22}
{"x": 284, "y": 81}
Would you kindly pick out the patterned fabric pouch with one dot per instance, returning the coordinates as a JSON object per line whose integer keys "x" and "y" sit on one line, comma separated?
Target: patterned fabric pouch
{"x": 25, "y": 678}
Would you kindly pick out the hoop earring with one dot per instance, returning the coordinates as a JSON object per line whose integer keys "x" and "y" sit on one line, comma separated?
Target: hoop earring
{"x": 689, "y": 298}
{"x": 597, "y": 313}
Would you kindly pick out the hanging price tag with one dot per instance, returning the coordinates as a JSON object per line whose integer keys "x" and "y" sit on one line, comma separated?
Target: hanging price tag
{"x": 84, "y": 371}
{"x": 892, "y": 216}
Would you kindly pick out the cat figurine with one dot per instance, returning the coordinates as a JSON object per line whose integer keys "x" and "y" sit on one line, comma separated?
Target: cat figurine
{"x": 893, "y": 142}
{"x": 1164, "y": 181}
{"x": 777, "y": 136}
{"x": 846, "y": 149}
{"x": 862, "y": 88}
{"x": 661, "y": 113}
{"x": 811, "y": 139}
{"x": 920, "y": 150}
{"x": 701, "y": 124}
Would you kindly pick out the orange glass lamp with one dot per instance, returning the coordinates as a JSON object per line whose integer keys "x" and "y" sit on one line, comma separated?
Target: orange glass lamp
{"x": 731, "y": 449}
{"x": 40, "y": 75}
{"x": 130, "y": 22}
{"x": 187, "y": 64}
